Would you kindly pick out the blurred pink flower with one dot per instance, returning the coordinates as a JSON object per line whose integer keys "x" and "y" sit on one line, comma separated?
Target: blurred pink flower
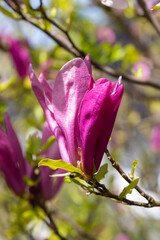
{"x": 106, "y": 34}
{"x": 142, "y": 70}
{"x": 123, "y": 4}
{"x": 80, "y": 112}
{"x": 155, "y": 139}
{"x": 122, "y": 236}
{"x": 20, "y": 56}
{"x": 14, "y": 166}
{"x": 12, "y": 163}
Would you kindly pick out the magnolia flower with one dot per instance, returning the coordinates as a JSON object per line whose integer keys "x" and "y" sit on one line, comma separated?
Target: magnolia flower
{"x": 106, "y": 34}
{"x": 122, "y": 236}
{"x": 12, "y": 163}
{"x": 79, "y": 111}
{"x": 20, "y": 56}
{"x": 142, "y": 70}
{"x": 14, "y": 166}
{"x": 155, "y": 139}
{"x": 123, "y": 4}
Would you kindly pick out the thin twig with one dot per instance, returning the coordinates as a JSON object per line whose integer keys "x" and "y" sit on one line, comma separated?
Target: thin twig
{"x": 68, "y": 219}
{"x": 124, "y": 175}
{"x": 51, "y": 222}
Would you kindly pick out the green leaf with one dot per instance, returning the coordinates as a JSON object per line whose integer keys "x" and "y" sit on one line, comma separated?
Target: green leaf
{"x": 129, "y": 188}
{"x": 67, "y": 179}
{"x": 5, "y": 85}
{"x": 55, "y": 164}
{"x": 156, "y": 7}
{"x": 134, "y": 164}
{"x": 49, "y": 142}
{"x": 9, "y": 14}
{"x": 102, "y": 172}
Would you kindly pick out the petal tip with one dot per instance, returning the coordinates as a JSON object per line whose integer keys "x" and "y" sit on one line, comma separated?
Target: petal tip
{"x": 120, "y": 80}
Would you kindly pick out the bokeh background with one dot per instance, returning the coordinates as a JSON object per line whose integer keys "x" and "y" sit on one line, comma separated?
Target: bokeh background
{"x": 127, "y": 42}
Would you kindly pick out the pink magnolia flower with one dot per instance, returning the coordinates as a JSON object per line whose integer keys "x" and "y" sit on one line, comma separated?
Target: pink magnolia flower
{"x": 122, "y": 236}
{"x": 79, "y": 111}
{"x": 123, "y": 4}
{"x": 106, "y": 34}
{"x": 142, "y": 70}
{"x": 14, "y": 166}
{"x": 12, "y": 163}
{"x": 20, "y": 56}
{"x": 155, "y": 139}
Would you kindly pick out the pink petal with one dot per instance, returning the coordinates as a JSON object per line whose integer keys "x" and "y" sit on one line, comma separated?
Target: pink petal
{"x": 87, "y": 61}
{"x": 120, "y": 4}
{"x": 96, "y": 119}
{"x": 17, "y": 152}
{"x": 11, "y": 172}
{"x": 20, "y": 56}
{"x": 70, "y": 86}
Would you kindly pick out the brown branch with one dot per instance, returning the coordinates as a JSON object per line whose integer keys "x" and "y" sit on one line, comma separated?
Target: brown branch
{"x": 68, "y": 219}
{"x": 124, "y": 175}
{"x": 51, "y": 224}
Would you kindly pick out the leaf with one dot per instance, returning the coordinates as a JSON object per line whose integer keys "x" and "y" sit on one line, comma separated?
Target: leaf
{"x": 55, "y": 164}
{"x": 49, "y": 142}
{"x": 9, "y": 14}
{"x": 102, "y": 172}
{"x": 129, "y": 188}
{"x": 5, "y": 85}
{"x": 134, "y": 164}
{"x": 67, "y": 179}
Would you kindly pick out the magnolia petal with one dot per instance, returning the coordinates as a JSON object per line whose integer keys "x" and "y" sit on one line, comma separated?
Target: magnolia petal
{"x": 69, "y": 88}
{"x": 41, "y": 93}
{"x": 96, "y": 119}
{"x": 120, "y": 4}
{"x": 10, "y": 170}
{"x": 20, "y": 56}
{"x": 15, "y": 145}
{"x": 87, "y": 61}
{"x": 49, "y": 186}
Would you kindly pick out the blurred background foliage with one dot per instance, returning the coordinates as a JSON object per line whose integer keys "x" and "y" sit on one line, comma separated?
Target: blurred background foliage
{"x": 119, "y": 39}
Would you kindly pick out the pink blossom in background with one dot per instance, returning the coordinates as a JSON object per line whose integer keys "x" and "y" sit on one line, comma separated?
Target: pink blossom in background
{"x": 80, "y": 112}
{"x": 121, "y": 4}
{"x": 106, "y": 34}
{"x": 155, "y": 139}
{"x": 20, "y": 56}
{"x": 122, "y": 236}
{"x": 142, "y": 70}
{"x": 12, "y": 163}
{"x": 14, "y": 166}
